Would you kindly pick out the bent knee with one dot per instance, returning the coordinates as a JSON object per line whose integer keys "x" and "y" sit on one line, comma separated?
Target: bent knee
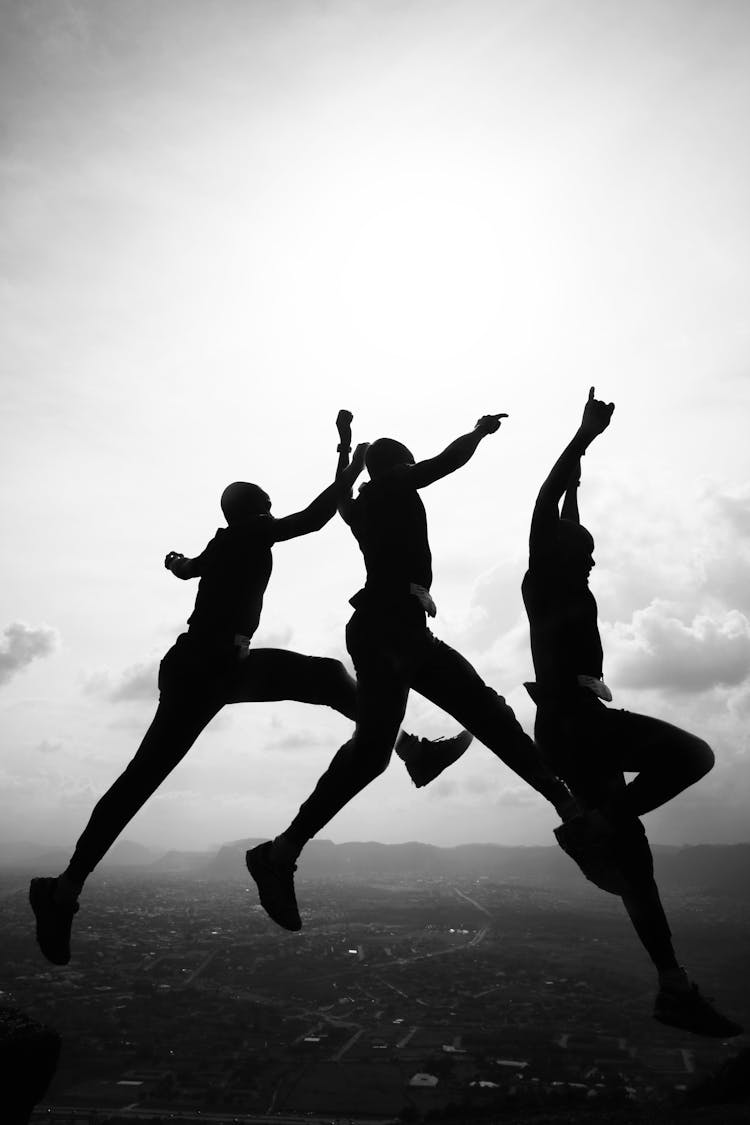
{"x": 702, "y": 758}
{"x": 370, "y": 758}
{"x": 333, "y": 671}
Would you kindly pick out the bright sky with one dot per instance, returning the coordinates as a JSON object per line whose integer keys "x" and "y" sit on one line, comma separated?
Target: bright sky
{"x": 222, "y": 222}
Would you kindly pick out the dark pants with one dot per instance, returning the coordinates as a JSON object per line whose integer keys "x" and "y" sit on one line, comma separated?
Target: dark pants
{"x": 590, "y": 746}
{"x": 391, "y": 655}
{"x": 195, "y": 683}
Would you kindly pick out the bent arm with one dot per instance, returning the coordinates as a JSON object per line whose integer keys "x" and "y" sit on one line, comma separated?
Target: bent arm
{"x": 317, "y": 514}
{"x": 454, "y": 456}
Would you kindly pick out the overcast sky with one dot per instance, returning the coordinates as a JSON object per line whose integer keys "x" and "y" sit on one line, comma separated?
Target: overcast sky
{"x": 222, "y": 222}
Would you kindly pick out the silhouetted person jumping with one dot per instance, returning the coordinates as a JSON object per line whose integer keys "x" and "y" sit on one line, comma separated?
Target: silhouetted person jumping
{"x": 210, "y": 665}
{"x": 589, "y": 744}
{"x": 394, "y": 651}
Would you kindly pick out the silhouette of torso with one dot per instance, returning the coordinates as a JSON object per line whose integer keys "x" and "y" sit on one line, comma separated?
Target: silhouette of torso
{"x": 390, "y": 525}
{"x": 235, "y": 568}
{"x": 565, "y": 641}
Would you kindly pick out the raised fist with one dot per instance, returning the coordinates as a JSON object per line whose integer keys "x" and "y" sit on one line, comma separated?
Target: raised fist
{"x": 344, "y": 427}
{"x": 172, "y": 556}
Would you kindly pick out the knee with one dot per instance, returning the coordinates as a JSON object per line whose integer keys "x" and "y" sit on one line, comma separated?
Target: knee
{"x": 377, "y": 763}
{"x": 701, "y": 758}
{"x": 332, "y": 673}
{"x": 372, "y": 758}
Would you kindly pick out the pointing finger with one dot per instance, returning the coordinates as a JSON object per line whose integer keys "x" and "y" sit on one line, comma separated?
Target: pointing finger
{"x": 591, "y": 394}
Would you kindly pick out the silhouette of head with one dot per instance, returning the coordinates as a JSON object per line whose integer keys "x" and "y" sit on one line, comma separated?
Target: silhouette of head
{"x": 241, "y": 500}
{"x": 385, "y": 454}
{"x": 575, "y": 549}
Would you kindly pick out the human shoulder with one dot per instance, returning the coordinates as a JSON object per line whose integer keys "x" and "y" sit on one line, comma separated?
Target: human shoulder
{"x": 543, "y": 566}
{"x": 254, "y": 531}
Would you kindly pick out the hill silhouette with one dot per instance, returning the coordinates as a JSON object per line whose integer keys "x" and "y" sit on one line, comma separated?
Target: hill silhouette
{"x": 722, "y": 870}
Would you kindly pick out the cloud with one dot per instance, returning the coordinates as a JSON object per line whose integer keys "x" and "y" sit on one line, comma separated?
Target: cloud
{"x": 299, "y": 740}
{"x": 517, "y": 796}
{"x": 22, "y": 644}
{"x": 734, "y": 507}
{"x": 47, "y": 747}
{"x": 496, "y": 607}
{"x": 658, "y": 649}
{"x": 273, "y": 638}
{"x": 137, "y": 682}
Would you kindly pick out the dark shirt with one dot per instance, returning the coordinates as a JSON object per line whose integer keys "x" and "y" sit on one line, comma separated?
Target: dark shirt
{"x": 390, "y": 525}
{"x": 565, "y": 641}
{"x": 235, "y": 568}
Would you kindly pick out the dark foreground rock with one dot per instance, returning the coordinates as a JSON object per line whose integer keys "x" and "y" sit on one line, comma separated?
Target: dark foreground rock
{"x": 28, "y": 1059}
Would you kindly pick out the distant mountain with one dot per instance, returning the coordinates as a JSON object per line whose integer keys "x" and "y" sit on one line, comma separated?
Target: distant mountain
{"x": 51, "y": 860}
{"x": 718, "y": 869}
{"x": 187, "y": 862}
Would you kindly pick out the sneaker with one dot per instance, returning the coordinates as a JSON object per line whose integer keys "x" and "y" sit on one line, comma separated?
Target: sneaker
{"x": 426, "y": 758}
{"x": 275, "y": 886}
{"x": 692, "y": 1012}
{"x": 53, "y": 921}
{"x": 587, "y": 839}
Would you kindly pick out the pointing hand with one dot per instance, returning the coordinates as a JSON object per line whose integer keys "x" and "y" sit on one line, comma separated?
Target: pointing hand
{"x": 596, "y": 415}
{"x": 489, "y": 423}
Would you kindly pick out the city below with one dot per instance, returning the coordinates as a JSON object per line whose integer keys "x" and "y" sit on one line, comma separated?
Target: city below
{"x": 427, "y": 984}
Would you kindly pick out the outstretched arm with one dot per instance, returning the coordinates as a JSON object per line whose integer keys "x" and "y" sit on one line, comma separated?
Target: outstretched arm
{"x": 317, "y": 514}
{"x": 454, "y": 456}
{"x": 596, "y": 418}
{"x": 182, "y": 567}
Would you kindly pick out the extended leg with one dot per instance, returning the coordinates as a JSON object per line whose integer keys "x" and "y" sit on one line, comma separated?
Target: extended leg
{"x": 448, "y": 680}
{"x": 381, "y": 705}
{"x": 174, "y": 729}
{"x": 382, "y": 692}
{"x": 276, "y": 674}
{"x": 176, "y": 725}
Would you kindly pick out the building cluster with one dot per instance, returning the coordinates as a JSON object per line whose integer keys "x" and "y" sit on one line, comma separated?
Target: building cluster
{"x": 417, "y": 997}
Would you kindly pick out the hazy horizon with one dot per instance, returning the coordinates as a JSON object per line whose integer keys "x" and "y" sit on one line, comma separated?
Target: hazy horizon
{"x": 223, "y": 223}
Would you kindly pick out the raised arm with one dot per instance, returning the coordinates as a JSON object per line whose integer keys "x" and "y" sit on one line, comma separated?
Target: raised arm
{"x": 344, "y": 447}
{"x": 569, "y": 510}
{"x": 181, "y": 567}
{"x": 596, "y": 418}
{"x": 454, "y": 456}
{"x": 317, "y": 514}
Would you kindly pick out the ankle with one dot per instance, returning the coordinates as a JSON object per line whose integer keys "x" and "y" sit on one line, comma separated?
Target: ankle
{"x": 66, "y": 890}
{"x": 284, "y": 850}
{"x": 568, "y": 808}
{"x": 674, "y": 979}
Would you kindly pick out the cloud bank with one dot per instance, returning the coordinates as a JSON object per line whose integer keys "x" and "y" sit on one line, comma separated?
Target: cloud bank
{"x": 22, "y": 644}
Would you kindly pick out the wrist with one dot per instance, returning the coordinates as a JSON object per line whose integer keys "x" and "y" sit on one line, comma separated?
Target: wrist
{"x": 343, "y": 448}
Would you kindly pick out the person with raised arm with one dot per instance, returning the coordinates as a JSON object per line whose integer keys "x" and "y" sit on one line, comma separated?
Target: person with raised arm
{"x": 210, "y": 665}
{"x": 589, "y": 744}
{"x": 393, "y": 651}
